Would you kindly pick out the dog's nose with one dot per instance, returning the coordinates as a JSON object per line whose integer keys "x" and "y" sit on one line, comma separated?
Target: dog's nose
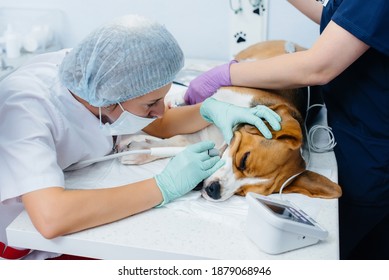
{"x": 213, "y": 190}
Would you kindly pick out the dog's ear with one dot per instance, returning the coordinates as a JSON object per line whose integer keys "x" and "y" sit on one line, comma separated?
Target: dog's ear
{"x": 251, "y": 129}
{"x": 290, "y": 133}
{"x": 314, "y": 185}
{"x": 290, "y": 126}
{"x": 235, "y": 141}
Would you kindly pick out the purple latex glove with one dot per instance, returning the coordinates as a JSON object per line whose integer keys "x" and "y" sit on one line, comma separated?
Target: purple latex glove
{"x": 208, "y": 83}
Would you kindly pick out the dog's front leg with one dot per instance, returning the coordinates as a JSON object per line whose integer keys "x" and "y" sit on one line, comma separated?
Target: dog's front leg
{"x": 145, "y": 144}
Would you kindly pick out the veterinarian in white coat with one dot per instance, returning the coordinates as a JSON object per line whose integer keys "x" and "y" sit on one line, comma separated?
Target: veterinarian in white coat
{"x": 351, "y": 62}
{"x": 64, "y": 107}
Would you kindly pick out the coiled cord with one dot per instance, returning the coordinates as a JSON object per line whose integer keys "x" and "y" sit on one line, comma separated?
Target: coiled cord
{"x": 312, "y": 144}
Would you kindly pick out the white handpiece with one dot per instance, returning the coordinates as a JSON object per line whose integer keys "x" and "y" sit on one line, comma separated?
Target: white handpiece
{"x": 166, "y": 151}
{"x": 158, "y": 151}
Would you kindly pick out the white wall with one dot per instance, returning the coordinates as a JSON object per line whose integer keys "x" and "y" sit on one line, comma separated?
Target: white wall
{"x": 286, "y": 22}
{"x": 200, "y": 26}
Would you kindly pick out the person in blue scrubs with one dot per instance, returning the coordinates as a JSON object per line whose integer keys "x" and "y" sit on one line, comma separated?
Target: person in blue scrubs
{"x": 350, "y": 61}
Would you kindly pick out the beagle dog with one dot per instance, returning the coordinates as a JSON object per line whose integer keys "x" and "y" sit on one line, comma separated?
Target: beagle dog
{"x": 254, "y": 163}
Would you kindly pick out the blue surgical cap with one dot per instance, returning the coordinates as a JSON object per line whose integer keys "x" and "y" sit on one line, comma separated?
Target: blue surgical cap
{"x": 122, "y": 60}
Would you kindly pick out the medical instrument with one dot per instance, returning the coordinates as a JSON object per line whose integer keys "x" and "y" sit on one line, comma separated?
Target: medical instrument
{"x": 278, "y": 226}
{"x": 157, "y": 151}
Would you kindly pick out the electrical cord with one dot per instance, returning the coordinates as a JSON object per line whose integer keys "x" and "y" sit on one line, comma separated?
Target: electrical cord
{"x": 323, "y": 147}
{"x": 286, "y": 183}
{"x": 312, "y": 145}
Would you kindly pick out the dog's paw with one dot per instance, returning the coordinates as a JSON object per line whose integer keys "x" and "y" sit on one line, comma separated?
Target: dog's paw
{"x": 138, "y": 158}
{"x": 175, "y": 98}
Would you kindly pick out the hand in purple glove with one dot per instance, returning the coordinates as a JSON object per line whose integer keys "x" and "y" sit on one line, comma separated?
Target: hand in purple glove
{"x": 208, "y": 83}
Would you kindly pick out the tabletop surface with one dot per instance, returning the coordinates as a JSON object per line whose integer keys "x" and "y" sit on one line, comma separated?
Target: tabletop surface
{"x": 166, "y": 233}
{"x": 188, "y": 228}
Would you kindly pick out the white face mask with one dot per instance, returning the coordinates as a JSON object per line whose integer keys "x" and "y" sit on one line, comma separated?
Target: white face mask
{"x": 127, "y": 123}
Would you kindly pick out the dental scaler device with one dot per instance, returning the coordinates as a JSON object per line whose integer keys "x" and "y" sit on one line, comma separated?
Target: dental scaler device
{"x": 156, "y": 151}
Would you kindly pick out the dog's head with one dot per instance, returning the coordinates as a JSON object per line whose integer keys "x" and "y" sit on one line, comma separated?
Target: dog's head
{"x": 260, "y": 165}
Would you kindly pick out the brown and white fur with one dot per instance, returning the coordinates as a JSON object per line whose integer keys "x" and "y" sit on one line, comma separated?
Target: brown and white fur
{"x": 253, "y": 163}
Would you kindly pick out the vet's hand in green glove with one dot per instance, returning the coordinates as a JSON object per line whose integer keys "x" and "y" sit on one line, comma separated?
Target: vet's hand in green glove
{"x": 225, "y": 116}
{"x": 186, "y": 170}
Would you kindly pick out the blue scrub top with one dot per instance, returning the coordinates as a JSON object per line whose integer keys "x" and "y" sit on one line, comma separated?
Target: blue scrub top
{"x": 358, "y": 103}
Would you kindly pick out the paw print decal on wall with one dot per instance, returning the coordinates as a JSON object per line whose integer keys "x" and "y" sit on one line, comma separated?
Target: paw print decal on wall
{"x": 240, "y": 37}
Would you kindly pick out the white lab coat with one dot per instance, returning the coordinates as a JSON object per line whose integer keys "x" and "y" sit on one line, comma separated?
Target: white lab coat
{"x": 43, "y": 130}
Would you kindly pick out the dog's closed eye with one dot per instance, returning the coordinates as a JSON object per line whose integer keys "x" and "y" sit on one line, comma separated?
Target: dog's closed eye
{"x": 243, "y": 160}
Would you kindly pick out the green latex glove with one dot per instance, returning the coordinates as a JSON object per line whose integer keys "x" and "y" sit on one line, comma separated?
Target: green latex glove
{"x": 186, "y": 170}
{"x": 226, "y": 116}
